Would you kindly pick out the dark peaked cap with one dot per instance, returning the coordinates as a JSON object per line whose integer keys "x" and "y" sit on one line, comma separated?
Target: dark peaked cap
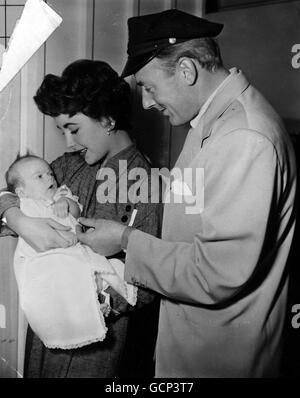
{"x": 148, "y": 34}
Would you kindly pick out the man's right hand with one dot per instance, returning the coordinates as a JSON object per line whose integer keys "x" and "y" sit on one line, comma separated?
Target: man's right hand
{"x": 40, "y": 233}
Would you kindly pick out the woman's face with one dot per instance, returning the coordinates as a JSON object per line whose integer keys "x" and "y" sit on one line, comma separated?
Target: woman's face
{"x": 83, "y": 132}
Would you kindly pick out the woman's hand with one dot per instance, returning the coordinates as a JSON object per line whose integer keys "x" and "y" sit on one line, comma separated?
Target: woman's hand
{"x": 40, "y": 233}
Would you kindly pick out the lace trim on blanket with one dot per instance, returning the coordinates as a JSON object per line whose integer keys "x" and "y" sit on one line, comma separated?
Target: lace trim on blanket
{"x": 101, "y": 316}
{"x": 79, "y": 345}
{"x": 130, "y": 298}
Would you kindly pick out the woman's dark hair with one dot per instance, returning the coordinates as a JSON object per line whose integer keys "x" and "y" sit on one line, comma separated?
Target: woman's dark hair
{"x": 89, "y": 87}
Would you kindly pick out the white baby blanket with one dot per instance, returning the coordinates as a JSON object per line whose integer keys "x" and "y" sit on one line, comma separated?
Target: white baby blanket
{"x": 57, "y": 288}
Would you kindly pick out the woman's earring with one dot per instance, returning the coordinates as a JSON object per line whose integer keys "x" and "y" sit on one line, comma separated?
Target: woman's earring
{"x": 111, "y": 127}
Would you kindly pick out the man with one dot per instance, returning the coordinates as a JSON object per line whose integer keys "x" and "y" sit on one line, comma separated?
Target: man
{"x": 221, "y": 267}
{"x": 222, "y": 271}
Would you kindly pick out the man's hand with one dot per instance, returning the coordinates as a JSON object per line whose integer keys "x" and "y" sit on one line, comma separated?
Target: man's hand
{"x": 61, "y": 208}
{"x": 104, "y": 237}
{"x": 40, "y": 233}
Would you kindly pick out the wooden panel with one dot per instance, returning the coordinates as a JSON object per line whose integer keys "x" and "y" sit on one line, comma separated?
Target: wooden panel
{"x": 21, "y": 127}
{"x": 154, "y": 135}
{"x": 9, "y": 145}
{"x": 73, "y": 38}
{"x": 9, "y": 311}
{"x": 220, "y": 5}
{"x": 9, "y": 125}
{"x": 153, "y": 6}
{"x": 71, "y": 41}
{"x": 192, "y": 6}
{"x": 152, "y": 131}
{"x": 110, "y": 31}
{"x": 247, "y": 42}
{"x": 110, "y": 45}
{"x": 31, "y": 118}
{"x": 31, "y": 139}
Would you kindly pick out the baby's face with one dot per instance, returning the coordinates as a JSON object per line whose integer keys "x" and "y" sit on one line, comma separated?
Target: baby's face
{"x": 38, "y": 181}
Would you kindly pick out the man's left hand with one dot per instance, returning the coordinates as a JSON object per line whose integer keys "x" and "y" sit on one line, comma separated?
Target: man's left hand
{"x": 104, "y": 236}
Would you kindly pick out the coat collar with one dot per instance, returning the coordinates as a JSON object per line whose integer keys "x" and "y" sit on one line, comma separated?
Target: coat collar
{"x": 235, "y": 84}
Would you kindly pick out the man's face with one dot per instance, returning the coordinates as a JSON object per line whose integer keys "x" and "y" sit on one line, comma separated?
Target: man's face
{"x": 166, "y": 93}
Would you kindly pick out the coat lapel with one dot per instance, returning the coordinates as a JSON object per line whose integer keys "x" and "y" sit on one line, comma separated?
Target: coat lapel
{"x": 236, "y": 84}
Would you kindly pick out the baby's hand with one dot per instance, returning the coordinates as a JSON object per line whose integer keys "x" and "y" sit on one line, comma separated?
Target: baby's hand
{"x": 61, "y": 208}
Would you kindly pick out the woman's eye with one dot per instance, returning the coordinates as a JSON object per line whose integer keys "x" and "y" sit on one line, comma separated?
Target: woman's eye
{"x": 74, "y": 131}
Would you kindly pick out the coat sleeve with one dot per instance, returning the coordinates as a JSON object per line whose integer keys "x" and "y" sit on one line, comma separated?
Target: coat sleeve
{"x": 149, "y": 222}
{"x": 240, "y": 191}
{"x": 7, "y": 200}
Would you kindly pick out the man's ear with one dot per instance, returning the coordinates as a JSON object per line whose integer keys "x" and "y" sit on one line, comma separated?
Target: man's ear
{"x": 188, "y": 70}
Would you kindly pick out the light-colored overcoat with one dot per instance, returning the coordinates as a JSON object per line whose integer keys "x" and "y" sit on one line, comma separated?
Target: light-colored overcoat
{"x": 222, "y": 272}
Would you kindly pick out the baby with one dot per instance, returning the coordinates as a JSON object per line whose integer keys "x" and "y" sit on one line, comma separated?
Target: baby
{"x": 58, "y": 289}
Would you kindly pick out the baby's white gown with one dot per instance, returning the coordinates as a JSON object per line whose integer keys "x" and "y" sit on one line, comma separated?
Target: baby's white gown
{"x": 57, "y": 288}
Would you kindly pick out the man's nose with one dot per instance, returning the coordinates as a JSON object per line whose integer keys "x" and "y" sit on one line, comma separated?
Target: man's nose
{"x": 148, "y": 100}
{"x": 69, "y": 139}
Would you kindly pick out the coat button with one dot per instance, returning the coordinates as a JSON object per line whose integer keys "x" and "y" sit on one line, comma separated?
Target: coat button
{"x": 124, "y": 218}
{"x": 128, "y": 208}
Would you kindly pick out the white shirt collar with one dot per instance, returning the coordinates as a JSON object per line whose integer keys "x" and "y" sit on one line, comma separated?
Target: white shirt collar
{"x": 194, "y": 122}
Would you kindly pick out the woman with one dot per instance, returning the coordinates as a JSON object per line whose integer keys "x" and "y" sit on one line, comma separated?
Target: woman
{"x": 90, "y": 104}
